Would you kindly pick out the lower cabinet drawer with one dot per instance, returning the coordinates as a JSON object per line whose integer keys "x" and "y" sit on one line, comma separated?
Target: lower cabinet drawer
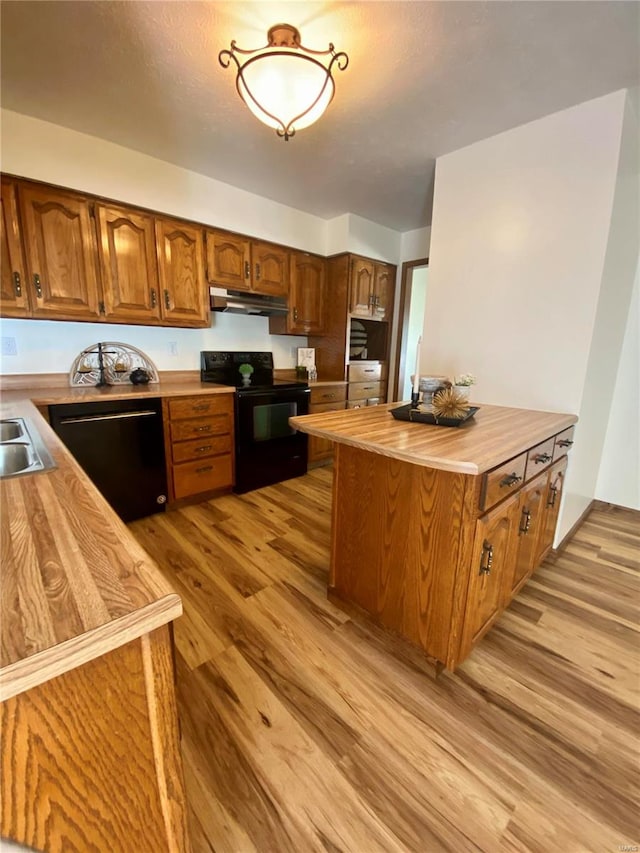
{"x": 201, "y": 427}
{"x": 191, "y": 478}
{"x": 563, "y": 442}
{"x": 364, "y": 390}
{"x": 198, "y": 407}
{"x": 316, "y": 408}
{"x": 502, "y": 481}
{"x": 200, "y": 448}
{"x": 539, "y": 458}
{"x": 328, "y": 394}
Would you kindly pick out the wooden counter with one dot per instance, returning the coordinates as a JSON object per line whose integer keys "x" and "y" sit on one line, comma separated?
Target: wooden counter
{"x": 86, "y": 678}
{"x": 434, "y": 528}
{"x": 494, "y": 434}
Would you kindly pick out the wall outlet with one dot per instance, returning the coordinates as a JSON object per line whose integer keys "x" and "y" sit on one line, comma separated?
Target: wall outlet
{"x": 9, "y": 346}
{"x": 173, "y": 348}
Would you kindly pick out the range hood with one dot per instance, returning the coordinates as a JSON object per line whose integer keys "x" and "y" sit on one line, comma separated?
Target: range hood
{"x": 239, "y": 302}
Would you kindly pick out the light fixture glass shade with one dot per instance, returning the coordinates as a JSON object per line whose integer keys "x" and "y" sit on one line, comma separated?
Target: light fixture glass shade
{"x": 284, "y": 84}
{"x": 285, "y": 90}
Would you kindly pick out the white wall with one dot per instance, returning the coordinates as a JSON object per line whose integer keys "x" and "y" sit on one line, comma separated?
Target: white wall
{"x": 521, "y": 229}
{"x": 619, "y": 475}
{"x": 351, "y": 233}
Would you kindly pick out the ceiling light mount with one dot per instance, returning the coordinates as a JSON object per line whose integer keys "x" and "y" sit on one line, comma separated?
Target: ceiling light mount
{"x": 284, "y": 84}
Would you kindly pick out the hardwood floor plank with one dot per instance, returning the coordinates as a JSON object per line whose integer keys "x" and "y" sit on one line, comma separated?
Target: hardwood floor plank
{"x": 306, "y": 728}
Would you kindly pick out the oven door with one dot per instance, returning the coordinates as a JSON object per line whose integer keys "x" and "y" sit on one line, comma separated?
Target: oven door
{"x": 268, "y": 450}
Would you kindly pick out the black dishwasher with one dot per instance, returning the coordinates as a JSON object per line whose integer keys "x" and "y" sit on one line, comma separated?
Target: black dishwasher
{"x": 120, "y": 445}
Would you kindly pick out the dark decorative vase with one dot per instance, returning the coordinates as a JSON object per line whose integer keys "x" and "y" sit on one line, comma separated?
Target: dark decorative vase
{"x": 139, "y": 376}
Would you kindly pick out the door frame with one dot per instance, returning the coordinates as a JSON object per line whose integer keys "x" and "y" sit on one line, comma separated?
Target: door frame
{"x": 404, "y": 304}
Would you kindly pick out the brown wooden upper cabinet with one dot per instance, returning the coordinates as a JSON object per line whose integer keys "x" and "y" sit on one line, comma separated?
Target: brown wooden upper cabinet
{"x": 60, "y": 253}
{"x": 14, "y": 301}
{"x": 128, "y": 263}
{"x": 371, "y": 289}
{"x": 307, "y": 296}
{"x": 239, "y": 263}
{"x": 183, "y": 289}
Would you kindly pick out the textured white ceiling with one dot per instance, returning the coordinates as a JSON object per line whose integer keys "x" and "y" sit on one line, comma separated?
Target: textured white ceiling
{"x": 424, "y": 78}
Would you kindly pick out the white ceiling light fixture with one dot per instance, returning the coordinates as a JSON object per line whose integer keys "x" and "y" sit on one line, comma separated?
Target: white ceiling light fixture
{"x": 285, "y": 85}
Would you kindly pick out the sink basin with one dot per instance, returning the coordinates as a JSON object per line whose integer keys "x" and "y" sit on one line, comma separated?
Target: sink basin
{"x": 21, "y": 450}
{"x": 15, "y": 459}
{"x": 10, "y": 430}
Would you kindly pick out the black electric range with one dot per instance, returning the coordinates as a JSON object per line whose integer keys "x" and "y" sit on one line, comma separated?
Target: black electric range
{"x": 267, "y": 449}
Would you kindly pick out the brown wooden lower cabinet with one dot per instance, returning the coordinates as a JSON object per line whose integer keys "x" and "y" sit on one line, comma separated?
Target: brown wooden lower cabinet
{"x": 199, "y": 444}
{"x": 91, "y": 759}
{"x": 324, "y": 398}
{"x": 437, "y": 555}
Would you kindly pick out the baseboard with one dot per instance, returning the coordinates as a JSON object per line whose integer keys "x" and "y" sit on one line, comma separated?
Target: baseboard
{"x": 574, "y": 527}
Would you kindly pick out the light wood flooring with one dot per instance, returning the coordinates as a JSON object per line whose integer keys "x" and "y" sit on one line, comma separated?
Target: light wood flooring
{"x": 305, "y": 730}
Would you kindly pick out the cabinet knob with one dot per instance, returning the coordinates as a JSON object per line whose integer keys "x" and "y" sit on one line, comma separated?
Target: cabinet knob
{"x": 486, "y": 560}
{"x": 17, "y": 286}
{"x": 510, "y": 480}
{"x": 525, "y": 523}
{"x": 37, "y": 285}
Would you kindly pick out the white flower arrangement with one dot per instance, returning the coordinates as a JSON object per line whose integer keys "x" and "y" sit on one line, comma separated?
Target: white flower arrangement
{"x": 465, "y": 379}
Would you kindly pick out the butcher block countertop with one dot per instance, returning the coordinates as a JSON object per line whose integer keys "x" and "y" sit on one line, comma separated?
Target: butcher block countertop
{"x": 494, "y": 435}
{"x": 75, "y": 584}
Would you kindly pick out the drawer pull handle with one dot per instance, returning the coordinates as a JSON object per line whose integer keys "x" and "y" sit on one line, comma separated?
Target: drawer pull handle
{"x": 565, "y": 442}
{"x": 486, "y": 560}
{"x": 525, "y": 524}
{"x": 201, "y": 407}
{"x": 368, "y": 370}
{"x": 553, "y": 494}
{"x": 204, "y": 469}
{"x": 328, "y": 396}
{"x": 542, "y": 458}
{"x": 205, "y": 428}
{"x": 204, "y": 448}
{"x": 367, "y": 387}
{"x": 510, "y": 480}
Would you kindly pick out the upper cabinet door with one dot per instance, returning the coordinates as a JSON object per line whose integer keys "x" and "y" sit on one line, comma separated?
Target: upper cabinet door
{"x": 229, "y": 260}
{"x": 383, "y": 289}
{"x": 184, "y": 296}
{"x": 60, "y": 253}
{"x": 361, "y": 288}
{"x": 126, "y": 243}
{"x": 14, "y": 300}
{"x": 270, "y": 269}
{"x": 307, "y": 295}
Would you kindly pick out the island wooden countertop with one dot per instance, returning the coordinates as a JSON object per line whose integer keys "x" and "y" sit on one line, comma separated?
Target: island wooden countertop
{"x": 494, "y": 435}
{"x": 75, "y": 584}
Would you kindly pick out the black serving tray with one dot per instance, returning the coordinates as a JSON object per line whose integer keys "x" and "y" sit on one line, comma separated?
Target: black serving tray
{"x": 406, "y": 413}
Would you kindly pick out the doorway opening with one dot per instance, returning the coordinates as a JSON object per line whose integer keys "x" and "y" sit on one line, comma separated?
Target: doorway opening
{"x": 413, "y": 295}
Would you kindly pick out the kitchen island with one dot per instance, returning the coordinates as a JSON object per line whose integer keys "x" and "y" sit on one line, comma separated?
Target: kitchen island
{"x": 435, "y": 529}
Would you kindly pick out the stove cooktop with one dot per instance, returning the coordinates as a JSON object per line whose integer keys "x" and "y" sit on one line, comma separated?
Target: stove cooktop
{"x": 248, "y": 372}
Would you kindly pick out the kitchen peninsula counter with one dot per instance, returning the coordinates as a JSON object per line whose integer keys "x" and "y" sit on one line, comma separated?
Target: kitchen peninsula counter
{"x": 435, "y": 529}
{"x": 86, "y": 662}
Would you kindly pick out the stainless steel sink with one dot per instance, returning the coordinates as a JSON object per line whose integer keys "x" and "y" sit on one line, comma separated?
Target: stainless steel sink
{"x": 10, "y": 430}
{"x": 21, "y": 449}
